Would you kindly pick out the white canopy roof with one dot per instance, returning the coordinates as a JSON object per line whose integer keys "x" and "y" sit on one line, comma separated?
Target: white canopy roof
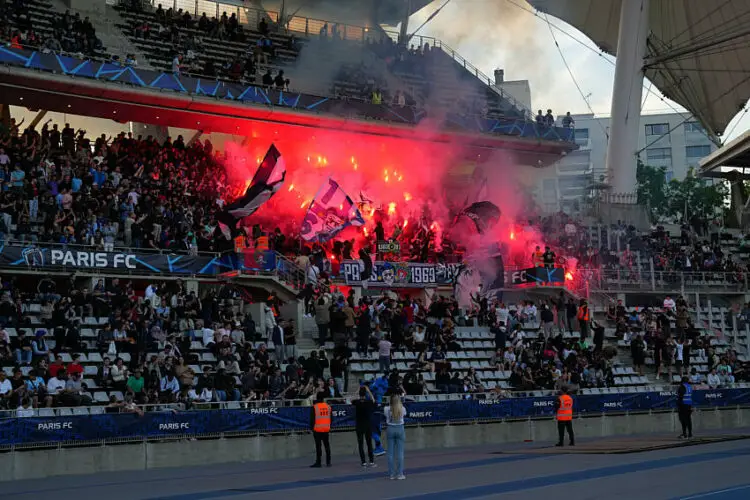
{"x": 698, "y": 50}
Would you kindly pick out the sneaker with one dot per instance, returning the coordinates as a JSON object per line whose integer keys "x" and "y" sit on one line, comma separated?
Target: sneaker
{"x": 364, "y": 464}
{"x": 379, "y": 453}
{"x": 392, "y": 478}
{"x": 315, "y": 466}
{"x": 372, "y": 465}
{"x": 400, "y": 477}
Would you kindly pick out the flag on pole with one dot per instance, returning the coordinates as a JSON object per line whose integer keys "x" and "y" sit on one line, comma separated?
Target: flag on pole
{"x": 330, "y": 212}
{"x": 267, "y": 180}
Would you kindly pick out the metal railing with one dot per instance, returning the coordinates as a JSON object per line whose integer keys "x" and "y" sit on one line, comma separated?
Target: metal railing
{"x": 312, "y": 27}
{"x": 67, "y": 411}
{"x": 614, "y": 280}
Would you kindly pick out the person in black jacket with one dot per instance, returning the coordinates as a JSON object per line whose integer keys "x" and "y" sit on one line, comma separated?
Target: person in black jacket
{"x": 364, "y": 408}
{"x": 685, "y": 407}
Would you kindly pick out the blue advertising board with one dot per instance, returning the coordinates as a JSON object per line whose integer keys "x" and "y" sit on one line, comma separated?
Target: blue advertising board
{"x": 23, "y": 431}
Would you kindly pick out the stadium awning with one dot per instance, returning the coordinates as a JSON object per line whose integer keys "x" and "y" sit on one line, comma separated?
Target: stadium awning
{"x": 733, "y": 154}
{"x": 698, "y": 50}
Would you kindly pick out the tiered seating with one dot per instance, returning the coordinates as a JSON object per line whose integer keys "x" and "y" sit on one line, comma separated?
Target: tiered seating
{"x": 42, "y": 16}
{"x": 91, "y": 358}
{"x": 161, "y": 52}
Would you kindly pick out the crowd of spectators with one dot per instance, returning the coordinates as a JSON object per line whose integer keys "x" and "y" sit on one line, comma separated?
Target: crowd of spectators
{"x": 650, "y": 336}
{"x": 68, "y": 32}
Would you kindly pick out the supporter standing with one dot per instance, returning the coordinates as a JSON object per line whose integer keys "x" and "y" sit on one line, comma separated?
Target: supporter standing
{"x": 321, "y": 427}
{"x": 322, "y": 319}
{"x": 364, "y": 408}
{"x": 583, "y": 318}
{"x": 394, "y": 417}
{"x": 685, "y": 408}
{"x": 564, "y": 409}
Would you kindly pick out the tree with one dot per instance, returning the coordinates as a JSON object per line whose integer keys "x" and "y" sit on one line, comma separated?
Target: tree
{"x": 674, "y": 200}
{"x": 652, "y": 188}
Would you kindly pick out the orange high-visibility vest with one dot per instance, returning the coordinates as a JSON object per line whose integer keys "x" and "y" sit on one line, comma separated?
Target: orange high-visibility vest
{"x": 322, "y": 417}
{"x": 565, "y": 412}
{"x": 583, "y": 313}
{"x": 239, "y": 243}
{"x": 261, "y": 243}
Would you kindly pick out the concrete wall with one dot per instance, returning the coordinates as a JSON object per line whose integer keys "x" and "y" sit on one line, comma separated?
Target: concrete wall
{"x": 64, "y": 461}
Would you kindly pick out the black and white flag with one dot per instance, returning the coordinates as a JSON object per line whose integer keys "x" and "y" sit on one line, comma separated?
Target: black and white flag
{"x": 267, "y": 180}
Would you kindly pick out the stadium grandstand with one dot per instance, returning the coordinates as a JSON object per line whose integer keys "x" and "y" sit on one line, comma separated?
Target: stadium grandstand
{"x": 212, "y": 213}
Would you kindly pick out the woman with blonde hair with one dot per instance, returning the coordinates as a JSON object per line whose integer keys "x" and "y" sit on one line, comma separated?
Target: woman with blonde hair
{"x": 394, "y": 416}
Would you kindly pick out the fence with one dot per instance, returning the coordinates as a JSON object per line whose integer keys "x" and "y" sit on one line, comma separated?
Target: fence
{"x": 648, "y": 279}
{"x": 308, "y": 26}
{"x": 96, "y": 429}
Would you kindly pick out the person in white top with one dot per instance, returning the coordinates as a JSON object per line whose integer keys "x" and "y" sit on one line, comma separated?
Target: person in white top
{"x": 394, "y": 417}
{"x": 6, "y": 389}
{"x": 679, "y": 349}
{"x": 25, "y": 410}
{"x": 669, "y": 304}
{"x": 384, "y": 354}
{"x": 714, "y": 380}
{"x": 502, "y": 313}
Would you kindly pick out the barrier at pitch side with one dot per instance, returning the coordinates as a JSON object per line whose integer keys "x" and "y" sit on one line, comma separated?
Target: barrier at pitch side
{"x": 30, "y": 430}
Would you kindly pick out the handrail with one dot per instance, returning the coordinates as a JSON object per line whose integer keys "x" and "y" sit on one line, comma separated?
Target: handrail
{"x": 311, "y": 27}
{"x": 116, "y": 249}
{"x": 72, "y": 409}
{"x": 528, "y": 113}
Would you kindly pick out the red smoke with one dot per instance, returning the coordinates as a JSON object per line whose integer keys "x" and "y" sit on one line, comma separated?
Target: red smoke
{"x": 405, "y": 184}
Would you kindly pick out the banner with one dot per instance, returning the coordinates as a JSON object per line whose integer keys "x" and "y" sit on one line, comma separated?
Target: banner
{"x": 539, "y": 275}
{"x": 418, "y": 275}
{"x": 67, "y": 258}
{"x": 391, "y": 274}
{"x": 17, "y": 431}
{"x": 390, "y": 246}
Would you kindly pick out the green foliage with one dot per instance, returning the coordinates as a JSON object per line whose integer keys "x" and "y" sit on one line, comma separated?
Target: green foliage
{"x": 675, "y": 199}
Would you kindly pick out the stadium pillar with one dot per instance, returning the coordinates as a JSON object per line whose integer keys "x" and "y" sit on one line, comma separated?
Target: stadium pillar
{"x": 41, "y": 114}
{"x": 5, "y": 114}
{"x": 197, "y": 135}
{"x": 626, "y": 95}
{"x": 158, "y": 132}
{"x": 404, "y": 32}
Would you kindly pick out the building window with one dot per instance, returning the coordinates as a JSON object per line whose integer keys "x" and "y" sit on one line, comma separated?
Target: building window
{"x": 657, "y": 129}
{"x": 694, "y": 127}
{"x": 582, "y": 133}
{"x": 659, "y": 154}
{"x": 697, "y": 151}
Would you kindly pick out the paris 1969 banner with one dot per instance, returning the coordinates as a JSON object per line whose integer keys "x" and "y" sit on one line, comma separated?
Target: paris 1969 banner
{"x": 422, "y": 275}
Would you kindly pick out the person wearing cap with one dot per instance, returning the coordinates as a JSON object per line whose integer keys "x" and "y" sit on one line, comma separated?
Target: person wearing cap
{"x": 39, "y": 348}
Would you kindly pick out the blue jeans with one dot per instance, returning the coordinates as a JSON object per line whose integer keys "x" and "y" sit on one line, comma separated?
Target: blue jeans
{"x": 223, "y": 396}
{"x": 23, "y": 357}
{"x": 396, "y": 440}
{"x": 384, "y": 363}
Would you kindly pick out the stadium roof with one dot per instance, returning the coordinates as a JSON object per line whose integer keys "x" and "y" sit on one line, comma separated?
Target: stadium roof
{"x": 698, "y": 50}
{"x": 733, "y": 154}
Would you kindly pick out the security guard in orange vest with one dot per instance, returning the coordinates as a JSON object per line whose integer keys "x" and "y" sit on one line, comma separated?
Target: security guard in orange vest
{"x": 564, "y": 408}
{"x": 321, "y": 427}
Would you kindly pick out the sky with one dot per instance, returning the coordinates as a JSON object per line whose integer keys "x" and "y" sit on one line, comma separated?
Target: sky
{"x": 507, "y": 34}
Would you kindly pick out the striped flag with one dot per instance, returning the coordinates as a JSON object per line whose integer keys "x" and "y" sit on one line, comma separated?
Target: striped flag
{"x": 330, "y": 212}
{"x": 267, "y": 180}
